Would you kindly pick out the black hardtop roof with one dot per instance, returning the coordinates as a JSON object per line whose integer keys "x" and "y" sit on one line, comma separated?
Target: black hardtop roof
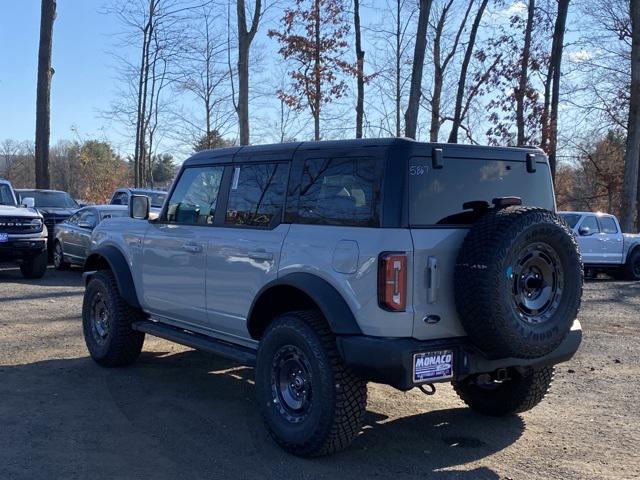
{"x": 414, "y": 148}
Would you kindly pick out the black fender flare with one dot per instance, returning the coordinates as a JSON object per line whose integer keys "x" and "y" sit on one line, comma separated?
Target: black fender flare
{"x": 120, "y": 268}
{"x": 332, "y": 305}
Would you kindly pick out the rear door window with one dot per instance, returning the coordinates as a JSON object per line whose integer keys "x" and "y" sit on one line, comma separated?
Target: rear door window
{"x": 437, "y": 196}
{"x": 340, "y": 191}
{"x": 256, "y": 197}
{"x": 572, "y": 219}
{"x": 608, "y": 225}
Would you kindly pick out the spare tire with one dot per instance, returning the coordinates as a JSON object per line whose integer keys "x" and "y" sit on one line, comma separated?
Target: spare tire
{"x": 518, "y": 282}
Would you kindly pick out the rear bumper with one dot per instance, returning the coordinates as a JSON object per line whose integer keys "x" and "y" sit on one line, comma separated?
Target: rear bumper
{"x": 390, "y": 360}
{"x": 22, "y": 249}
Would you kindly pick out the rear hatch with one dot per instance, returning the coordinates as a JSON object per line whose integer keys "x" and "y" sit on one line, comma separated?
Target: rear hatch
{"x": 439, "y": 222}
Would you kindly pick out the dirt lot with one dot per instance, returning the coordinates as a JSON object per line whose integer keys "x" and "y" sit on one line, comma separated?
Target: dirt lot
{"x": 178, "y": 413}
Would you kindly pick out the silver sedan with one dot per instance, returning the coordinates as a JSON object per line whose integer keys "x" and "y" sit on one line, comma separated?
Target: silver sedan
{"x": 72, "y": 237}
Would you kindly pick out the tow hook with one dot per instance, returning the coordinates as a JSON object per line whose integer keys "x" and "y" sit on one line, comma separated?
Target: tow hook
{"x": 428, "y": 388}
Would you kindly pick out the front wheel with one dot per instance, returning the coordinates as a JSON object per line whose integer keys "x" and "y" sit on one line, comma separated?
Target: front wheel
{"x": 521, "y": 391}
{"x": 310, "y": 400}
{"x": 106, "y": 323}
{"x": 58, "y": 257}
{"x": 35, "y": 267}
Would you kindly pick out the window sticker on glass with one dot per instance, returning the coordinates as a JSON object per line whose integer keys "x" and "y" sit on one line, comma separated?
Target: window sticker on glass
{"x": 236, "y": 178}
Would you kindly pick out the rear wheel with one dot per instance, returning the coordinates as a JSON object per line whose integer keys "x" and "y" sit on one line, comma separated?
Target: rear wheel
{"x": 34, "y": 267}
{"x": 106, "y": 323}
{"x": 632, "y": 267}
{"x": 520, "y": 392}
{"x": 58, "y": 257}
{"x": 311, "y": 402}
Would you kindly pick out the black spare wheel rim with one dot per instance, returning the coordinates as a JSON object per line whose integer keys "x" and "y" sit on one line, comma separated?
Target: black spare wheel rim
{"x": 537, "y": 283}
{"x": 100, "y": 317}
{"x": 291, "y": 383}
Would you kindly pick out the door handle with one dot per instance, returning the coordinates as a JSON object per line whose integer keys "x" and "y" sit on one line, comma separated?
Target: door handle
{"x": 192, "y": 248}
{"x": 260, "y": 255}
{"x": 433, "y": 279}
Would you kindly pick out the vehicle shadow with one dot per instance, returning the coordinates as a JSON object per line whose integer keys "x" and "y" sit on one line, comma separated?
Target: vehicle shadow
{"x": 191, "y": 415}
{"x": 53, "y": 278}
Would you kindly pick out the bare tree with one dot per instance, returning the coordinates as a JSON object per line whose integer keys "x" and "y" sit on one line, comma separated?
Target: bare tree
{"x": 245, "y": 38}
{"x": 359, "y": 68}
{"x": 415, "y": 92}
{"x": 459, "y": 114}
{"x": 520, "y": 93}
{"x": 555, "y": 66}
{"x": 205, "y": 75}
{"x": 632, "y": 154}
{"x": 392, "y": 39}
{"x": 441, "y": 62}
{"x": 43, "y": 100}
{"x": 157, "y": 27}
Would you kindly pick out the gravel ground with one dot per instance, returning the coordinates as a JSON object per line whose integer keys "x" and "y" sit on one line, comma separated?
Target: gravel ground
{"x": 178, "y": 413}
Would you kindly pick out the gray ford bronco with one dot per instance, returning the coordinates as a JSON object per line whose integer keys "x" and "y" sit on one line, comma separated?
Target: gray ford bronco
{"x": 23, "y": 235}
{"x": 330, "y": 264}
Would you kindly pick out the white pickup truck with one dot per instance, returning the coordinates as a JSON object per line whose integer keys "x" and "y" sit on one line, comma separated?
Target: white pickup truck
{"x": 603, "y": 246}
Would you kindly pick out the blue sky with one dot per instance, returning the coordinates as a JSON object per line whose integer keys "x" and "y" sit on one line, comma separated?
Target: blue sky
{"x": 83, "y": 80}
{"x": 84, "y": 84}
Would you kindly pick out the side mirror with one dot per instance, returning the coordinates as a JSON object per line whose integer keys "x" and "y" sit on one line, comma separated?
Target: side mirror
{"x": 584, "y": 231}
{"x": 139, "y": 207}
{"x": 86, "y": 225}
{"x": 29, "y": 202}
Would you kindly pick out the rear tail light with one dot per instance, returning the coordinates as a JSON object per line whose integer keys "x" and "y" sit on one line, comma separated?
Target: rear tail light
{"x": 392, "y": 281}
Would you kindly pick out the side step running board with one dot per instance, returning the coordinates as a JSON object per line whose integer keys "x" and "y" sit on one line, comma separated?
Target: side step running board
{"x": 243, "y": 355}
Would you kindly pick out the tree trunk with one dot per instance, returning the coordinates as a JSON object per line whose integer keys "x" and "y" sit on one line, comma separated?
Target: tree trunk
{"x": 524, "y": 75}
{"x": 438, "y": 78}
{"x": 458, "y": 116}
{"x": 415, "y": 90}
{"x": 245, "y": 37}
{"x": 556, "y": 59}
{"x": 630, "y": 185}
{"x": 316, "y": 72}
{"x": 398, "y": 98}
{"x": 43, "y": 100}
{"x": 360, "y": 69}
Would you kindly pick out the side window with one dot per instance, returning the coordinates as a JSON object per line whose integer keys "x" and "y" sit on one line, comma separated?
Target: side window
{"x": 591, "y": 223}
{"x": 608, "y": 225}
{"x": 121, "y": 198}
{"x": 339, "y": 191}
{"x": 195, "y": 197}
{"x": 257, "y": 194}
{"x": 88, "y": 217}
{"x": 73, "y": 219}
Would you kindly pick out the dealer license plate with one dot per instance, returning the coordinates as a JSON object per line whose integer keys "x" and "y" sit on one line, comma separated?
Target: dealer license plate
{"x": 4, "y": 237}
{"x": 432, "y": 366}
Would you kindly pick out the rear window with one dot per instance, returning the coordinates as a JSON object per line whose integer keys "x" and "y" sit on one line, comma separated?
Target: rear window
{"x": 340, "y": 191}
{"x": 436, "y": 197}
{"x": 608, "y": 225}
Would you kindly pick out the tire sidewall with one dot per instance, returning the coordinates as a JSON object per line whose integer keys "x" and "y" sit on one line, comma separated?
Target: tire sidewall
{"x": 97, "y": 286}
{"x": 538, "y": 339}
{"x": 58, "y": 264}
{"x": 288, "y": 330}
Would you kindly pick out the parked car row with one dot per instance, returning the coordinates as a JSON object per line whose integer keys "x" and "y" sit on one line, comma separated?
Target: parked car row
{"x": 39, "y": 226}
